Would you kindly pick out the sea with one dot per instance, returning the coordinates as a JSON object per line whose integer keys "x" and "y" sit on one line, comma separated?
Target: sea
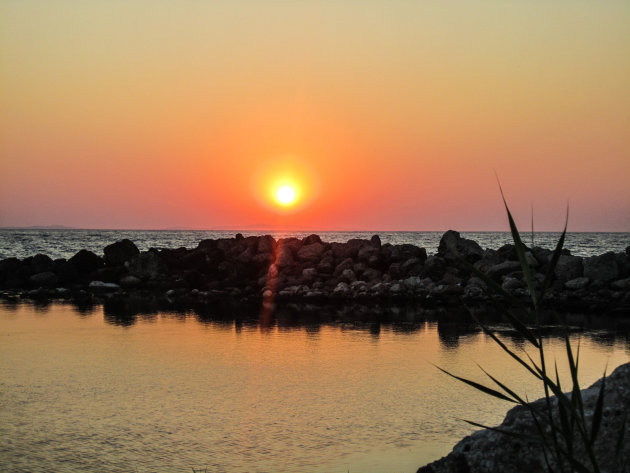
{"x": 21, "y": 243}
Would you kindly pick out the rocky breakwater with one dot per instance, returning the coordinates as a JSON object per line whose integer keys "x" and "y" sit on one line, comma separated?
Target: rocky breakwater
{"x": 261, "y": 268}
{"x": 492, "y": 451}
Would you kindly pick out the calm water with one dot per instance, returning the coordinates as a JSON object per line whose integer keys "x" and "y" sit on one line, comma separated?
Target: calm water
{"x": 65, "y": 243}
{"x": 170, "y": 393}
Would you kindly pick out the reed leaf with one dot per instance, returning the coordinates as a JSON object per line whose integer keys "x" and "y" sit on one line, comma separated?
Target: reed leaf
{"x": 555, "y": 256}
{"x": 480, "y": 387}
{"x": 491, "y": 334}
{"x": 529, "y": 438}
{"x": 504, "y": 387}
{"x": 520, "y": 252}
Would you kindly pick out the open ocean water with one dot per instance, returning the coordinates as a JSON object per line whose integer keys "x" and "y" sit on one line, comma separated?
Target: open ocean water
{"x": 65, "y": 243}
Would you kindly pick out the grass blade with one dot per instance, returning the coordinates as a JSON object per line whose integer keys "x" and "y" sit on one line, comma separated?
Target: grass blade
{"x": 529, "y": 438}
{"x": 479, "y": 387}
{"x": 520, "y": 252}
{"x": 555, "y": 256}
{"x": 488, "y": 332}
{"x": 504, "y": 387}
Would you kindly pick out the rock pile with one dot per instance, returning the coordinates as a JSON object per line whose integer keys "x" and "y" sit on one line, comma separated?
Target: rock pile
{"x": 289, "y": 268}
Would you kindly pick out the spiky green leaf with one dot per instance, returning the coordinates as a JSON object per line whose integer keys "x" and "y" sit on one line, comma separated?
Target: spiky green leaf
{"x": 479, "y": 387}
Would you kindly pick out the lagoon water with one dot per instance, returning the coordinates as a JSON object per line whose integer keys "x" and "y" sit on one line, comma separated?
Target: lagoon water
{"x": 171, "y": 392}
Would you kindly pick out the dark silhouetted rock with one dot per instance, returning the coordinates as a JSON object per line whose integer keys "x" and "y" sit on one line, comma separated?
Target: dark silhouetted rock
{"x": 45, "y": 279}
{"x": 452, "y": 246}
{"x": 103, "y": 287}
{"x": 120, "y": 252}
{"x": 601, "y": 268}
{"x": 40, "y": 264}
{"x": 284, "y": 256}
{"x": 147, "y": 264}
{"x": 568, "y": 267}
{"x": 577, "y": 283}
{"x": 266, "y": 244}
{"x": 129, "y": 281}
{"x": 309, "y": 240}
{"x": 499, "y": 270}
{"x": 85, "y": 262}
{"x": 311, "y": 252}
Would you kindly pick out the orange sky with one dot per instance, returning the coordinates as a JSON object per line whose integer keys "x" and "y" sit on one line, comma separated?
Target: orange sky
{"x": 391, "y": 115}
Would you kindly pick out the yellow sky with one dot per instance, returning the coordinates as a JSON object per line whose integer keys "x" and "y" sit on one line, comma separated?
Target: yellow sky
{"x": 147, "y": 114}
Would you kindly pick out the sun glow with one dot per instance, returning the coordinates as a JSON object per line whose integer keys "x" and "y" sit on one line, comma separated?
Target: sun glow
{"x": 285, "y": 195}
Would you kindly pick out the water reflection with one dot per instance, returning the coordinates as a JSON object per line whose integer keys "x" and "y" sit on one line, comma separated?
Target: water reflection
{"x": 162, "y": 391}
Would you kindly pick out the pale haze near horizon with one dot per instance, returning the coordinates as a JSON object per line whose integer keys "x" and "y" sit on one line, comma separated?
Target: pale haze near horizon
{"x": 394, "y": 115}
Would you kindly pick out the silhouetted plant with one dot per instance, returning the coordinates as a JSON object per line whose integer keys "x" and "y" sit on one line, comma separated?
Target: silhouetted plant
{"x": 568, "y": 433}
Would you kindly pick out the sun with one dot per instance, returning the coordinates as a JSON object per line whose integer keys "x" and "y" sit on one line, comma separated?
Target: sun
{"x": 285, "y": 195}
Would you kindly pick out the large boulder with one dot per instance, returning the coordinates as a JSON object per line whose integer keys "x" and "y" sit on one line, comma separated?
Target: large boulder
{"x": 45, "y": 279}
{"x": 39, "y": 264}
{"x": 120, "y": 252}
{"x": 311, "y": 252}
{"x": 493, "y": 451}
{"x": 601, "y": 268}
{"x": 284, "y": 256}
{"x": 85, "y": 262}
{"x": 568, "y": 267}
{"x": 147, "y": 264}
{"x": 452, "y": 247}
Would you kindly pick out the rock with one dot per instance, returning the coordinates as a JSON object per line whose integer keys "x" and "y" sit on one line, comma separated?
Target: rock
{"x": 341, "y": 289}
{"x": 499, "y": 270}
{"x": 568, "y": 267}
{"x": 309, "y": 240}
{"x": 402, "y": 253}
{"x": 347, "y": 263}
{"x": 309, "y": 273}
{"x": 85, "y": 262}
{"x": 120, "y": 252}
{"x": 371, "y": 275}
{"x": 492, "y": 451}
{"x": 369, "y": 254}
{"x": 311, "y": 252}
{"x": 147, "y": 264}
{"x": 577, "y": 283}
{"x": 601, "y": 268}
{"x": 129, "y": 281}
{"x": 350, "y": 249}
{"x": 46, "y": 279}
{"x": 375, "y": 240}
{"x": 621, "y": 285}
{"x": 511, "y": 284}
{"x": 348, "y": 275}
{"x": 100, "y": 286}
{"x": 284, "y": 256}
{"x": 412, "y": 267}
{"x": 325, "y": 265}
{"x": 452, "y": 247}
{"x": 266, "y": 244}
{"x": 435, "y": 267}
{"x": 40, "y": 264}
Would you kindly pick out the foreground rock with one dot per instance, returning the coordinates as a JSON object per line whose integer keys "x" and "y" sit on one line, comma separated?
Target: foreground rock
{"x": 290, "y": 269}
{"x": 488, "y": 451}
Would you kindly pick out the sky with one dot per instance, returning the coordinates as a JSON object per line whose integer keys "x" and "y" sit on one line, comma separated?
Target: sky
{"x": 382, "y": 115}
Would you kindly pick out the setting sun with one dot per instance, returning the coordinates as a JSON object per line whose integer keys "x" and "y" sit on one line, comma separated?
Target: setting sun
{"x": 285, "y": 195}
